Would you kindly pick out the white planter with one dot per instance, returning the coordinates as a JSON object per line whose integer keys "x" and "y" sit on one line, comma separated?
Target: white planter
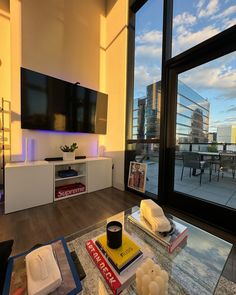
{"x": 68, "y": 156}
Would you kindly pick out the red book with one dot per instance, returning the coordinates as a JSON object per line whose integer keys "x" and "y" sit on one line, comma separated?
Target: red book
{"x": 106, "y": 271}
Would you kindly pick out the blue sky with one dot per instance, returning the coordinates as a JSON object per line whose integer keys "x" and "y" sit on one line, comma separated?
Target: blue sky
{"x": 194, "y": 21}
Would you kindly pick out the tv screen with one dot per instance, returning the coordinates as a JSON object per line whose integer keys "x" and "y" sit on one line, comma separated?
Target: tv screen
{"x": 49, "y": 103}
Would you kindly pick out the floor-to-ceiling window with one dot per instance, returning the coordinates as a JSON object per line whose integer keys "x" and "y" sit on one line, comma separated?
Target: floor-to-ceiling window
{"x": 182, "y": 120}
{"x": 144, "y": 136}
{"x": 206, "y": 132}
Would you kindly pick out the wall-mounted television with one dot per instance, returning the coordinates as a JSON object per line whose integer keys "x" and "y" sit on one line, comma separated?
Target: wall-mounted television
{"x": 49, "y": 103}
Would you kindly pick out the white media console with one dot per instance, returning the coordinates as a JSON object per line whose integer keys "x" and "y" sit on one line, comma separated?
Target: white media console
{"x": 30, "y": 184}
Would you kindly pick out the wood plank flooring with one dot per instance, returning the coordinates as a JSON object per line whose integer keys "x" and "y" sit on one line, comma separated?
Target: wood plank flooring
{"x": 40, "y": 224}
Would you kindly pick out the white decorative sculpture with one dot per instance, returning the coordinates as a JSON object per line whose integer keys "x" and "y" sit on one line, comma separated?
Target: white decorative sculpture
{"x": 151, "y": 279}
{"x": 155, "y": 216}
{"x": 43, "y": 274}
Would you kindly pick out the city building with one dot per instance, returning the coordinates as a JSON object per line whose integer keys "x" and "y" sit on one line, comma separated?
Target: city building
{"x": 226, "y": 133}
{"x": 212, "y": 137}
{"x": 192, "y": 115}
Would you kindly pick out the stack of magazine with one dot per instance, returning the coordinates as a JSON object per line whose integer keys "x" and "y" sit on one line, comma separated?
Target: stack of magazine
{"x": 117, "y": 266}
{"x": 178, "y": 235}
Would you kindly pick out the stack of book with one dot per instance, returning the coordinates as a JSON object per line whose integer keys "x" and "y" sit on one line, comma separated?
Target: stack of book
{"x": 177, "y": 237}
{"x": 117, "y": 266}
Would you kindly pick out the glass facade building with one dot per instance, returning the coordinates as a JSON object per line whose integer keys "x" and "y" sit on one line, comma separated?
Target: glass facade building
{"x": 192, "y": 122}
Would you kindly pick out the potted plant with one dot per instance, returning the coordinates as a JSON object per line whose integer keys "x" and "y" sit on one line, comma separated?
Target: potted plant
{"x": 69, "y": 151}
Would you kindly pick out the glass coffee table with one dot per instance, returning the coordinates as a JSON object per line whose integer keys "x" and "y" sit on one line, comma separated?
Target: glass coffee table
{"x": 193, "y": 269}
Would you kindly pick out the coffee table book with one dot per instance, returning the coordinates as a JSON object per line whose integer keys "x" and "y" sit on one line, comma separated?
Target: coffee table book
{"x": 116, "y": 282}
{"x": 121, "y": 257}
{"x": 170, "y": 241}
{"x": 16, "y": 278}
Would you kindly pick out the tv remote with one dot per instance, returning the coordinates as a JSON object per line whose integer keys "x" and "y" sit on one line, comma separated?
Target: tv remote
{"x": 78, "y": 265}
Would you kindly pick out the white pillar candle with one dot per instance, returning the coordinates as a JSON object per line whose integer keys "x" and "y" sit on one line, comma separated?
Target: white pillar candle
{"x": 146, "y": 280}
{"x": 151, "y": 279}
{"x": 154, "y": 288}
{"x": 161, "y": 283}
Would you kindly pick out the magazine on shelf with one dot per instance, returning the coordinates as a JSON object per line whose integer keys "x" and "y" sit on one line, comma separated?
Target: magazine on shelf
{"x": 116, "y": 282}
{"x": 170, "y": 241}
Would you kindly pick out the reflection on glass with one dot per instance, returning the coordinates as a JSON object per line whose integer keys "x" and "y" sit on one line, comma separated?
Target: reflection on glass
{"x": 147, "y": 76}
{"x": 206, "y": 125}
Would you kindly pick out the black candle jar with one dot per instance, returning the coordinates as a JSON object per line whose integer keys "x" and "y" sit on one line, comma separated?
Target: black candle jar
{"x": 114, "y": 234}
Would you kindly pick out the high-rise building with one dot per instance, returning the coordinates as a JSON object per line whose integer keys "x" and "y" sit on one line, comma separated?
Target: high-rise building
{"x": 192, "y": 122}
{"x": 226, "y": 133}
{"x": 212, "y": 137}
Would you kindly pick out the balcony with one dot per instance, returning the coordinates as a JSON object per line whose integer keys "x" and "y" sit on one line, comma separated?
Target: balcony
{"x": 221, "y": 191}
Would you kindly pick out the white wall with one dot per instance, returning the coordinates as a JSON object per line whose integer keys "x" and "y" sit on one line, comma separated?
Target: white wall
{"x": 5, "y": 73}
{"x": 62, "y": 39}
{"x": 115, "y": 76}
{"x": 83, "y": 41}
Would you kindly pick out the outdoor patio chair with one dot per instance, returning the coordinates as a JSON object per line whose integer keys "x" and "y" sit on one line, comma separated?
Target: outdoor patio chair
{"x": 227, "y": 162}
{"x": 193, "y": 161}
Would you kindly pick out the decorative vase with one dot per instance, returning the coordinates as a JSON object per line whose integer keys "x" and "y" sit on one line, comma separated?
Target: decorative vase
{"x": 68, "y": 156}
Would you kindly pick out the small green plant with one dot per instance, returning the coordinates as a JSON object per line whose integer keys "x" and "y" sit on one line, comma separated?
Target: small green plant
{"x": 213, "y": 148}
{"x": 66, "y": 148}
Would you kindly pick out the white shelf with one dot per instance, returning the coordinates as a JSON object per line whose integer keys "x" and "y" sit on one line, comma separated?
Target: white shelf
{"x": 71, "y": 177}
{"x": 70, "y": 196}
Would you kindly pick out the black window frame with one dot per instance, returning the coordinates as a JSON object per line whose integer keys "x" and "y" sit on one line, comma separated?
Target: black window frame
{"x": 204, "y": 52}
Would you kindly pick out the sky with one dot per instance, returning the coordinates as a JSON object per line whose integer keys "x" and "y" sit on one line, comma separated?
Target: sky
{"x": 194, "y": 21}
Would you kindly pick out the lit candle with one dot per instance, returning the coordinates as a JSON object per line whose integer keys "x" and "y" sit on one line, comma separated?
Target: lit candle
{"x": 151, "y": 279}
{"x": 114, "y": 234}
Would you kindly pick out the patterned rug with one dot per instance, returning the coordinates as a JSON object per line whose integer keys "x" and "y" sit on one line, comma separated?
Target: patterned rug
{"x": 225, "y": 287}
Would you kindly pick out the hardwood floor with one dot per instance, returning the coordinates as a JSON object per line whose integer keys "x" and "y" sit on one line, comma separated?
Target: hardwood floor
{"x": 40, "y": 224}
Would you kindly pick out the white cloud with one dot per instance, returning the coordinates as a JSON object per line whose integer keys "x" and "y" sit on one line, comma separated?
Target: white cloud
{"x": 144, "y": 76}
{"x": 229, "y": 11}
{"x": 184, "y": 19}
{"x": 187, "y": 39}
{"x": 153, "y": 36}
{"x": 212, "y": 78}
{"x": 211, "y": 8}
{"x": 148, "y": 51}
{"x": 200, "y": 4}
{"x": 229, "y": 22}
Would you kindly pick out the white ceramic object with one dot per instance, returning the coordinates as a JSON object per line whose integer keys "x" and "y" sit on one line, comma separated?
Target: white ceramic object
{"x": 155, "y": 216}
{"x": 68, "y": 156}
{"x": 151, "y": 279}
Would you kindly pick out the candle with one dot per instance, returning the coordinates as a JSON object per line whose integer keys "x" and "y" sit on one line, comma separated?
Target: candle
{"x": 114, "y": 234}
{"x": 151, "y": 279}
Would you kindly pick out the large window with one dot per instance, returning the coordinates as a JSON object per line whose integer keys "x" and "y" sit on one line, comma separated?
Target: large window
{"x": 184, "y": 105}
{"x": 147, "y": 89}
{"x": 197, "y": 20}
{"x": 211, "y": 97}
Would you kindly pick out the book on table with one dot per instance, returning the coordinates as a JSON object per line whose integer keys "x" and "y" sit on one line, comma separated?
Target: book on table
{"x": 171, "y": 241}
{"x": 122, "y": 257}
{"x": 115, "y": 280}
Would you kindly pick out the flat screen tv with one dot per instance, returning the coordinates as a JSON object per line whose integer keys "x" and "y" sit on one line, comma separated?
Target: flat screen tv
{"x": 49, "y": 103}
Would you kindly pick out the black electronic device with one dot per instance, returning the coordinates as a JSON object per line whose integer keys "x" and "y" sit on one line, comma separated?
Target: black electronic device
{"x": 48, "y": 103}
{"x": 78, "y": 265}
{"x": 61, "y": 159}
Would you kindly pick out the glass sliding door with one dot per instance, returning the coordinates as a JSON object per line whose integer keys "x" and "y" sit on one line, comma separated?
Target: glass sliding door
{"x": 145, "y": 106}
{"x": 205, "y": 161}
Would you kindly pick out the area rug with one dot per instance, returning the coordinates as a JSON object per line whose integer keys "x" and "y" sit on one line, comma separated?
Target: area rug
{"x": 95, "y": 281}
{"x": 225, "y": 287}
